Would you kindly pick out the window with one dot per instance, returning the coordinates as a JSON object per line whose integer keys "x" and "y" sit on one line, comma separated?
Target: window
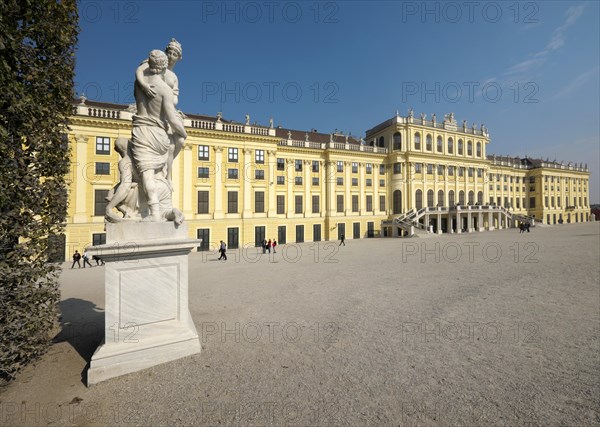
{"x": 340, "y": 166}
{"x": 298, "y": 204}
{"x": 281, "y": 234}
{"x": 469, "y": 148}
{"x": 382, "y": 203}
{"x": 479, "y": 172}
{"x": 315, "y": 166}
{"x": 259, "y": 156}
{"x": 419, "y": 199}
{"x": 232, "y": 173}
{"x": 354, "y": 203}
{"x": 259, "y": 174}
{"x": 298, "y": 180}
{"x": 233, "y": 238}
{"x": 259, "y": 201}
{"x": 428, "y": 143}
{"x": 315, "y": 204}
{"x": 316, "y": 232}
{"x": 478, "y": 149}
{"x": 102, "y": 145}
{"x": 480, "y": 197}
{"x": 532, "y": 203}
{"x": 450, "y": 170}
{"x": 451, "y": 198}
{"x": 532, "y": 179}
{"x": 369, "y": 182}
{"x": 299, "y": 233}
{"x": 202, "y": 202}
{"x": 340, "y": 203}
{"x": 280, "y": 204}
{"x": 281, "y": 180}
{"x": 340, "y": 181}
{"x": 315, "y": 180}
{"x": 298, "y": 165}
{"x": 417, "y": 141}
{"x": 461, "y": 198}
{"x": 382, "y": 182}
{"x": 440, "y": 198}
{"x": 203, "y": 172}
{"x": 430, "y": 201}
{"x": 232, "y": 155}
{"x": 381, "y": 169}
{"x": 460, "y": 147}
{"x": 369, "y": 168}
{"x": 397, "y": 168}
{"x": 461, "y": 171}
{"x": 280, "y": 164}
{"x": 232, "y": 202}
{"x": 100, "y": 202}
{"x": 450, "y": 146}
{"x": 440, "y": 144}
{"x": 429, "y": 169}
{"x": 397, "y": 141}
{"x": 354, "y": 167}
{"x": 98, "y": 239}
{"x": 102, "y": 168}
{"x": 355, "y": 182}
{"x": 471, "y": 198}
{"x": 470, "y": 172}
{"x": 369, "y": 203}
{"x": 418, "y": 167}
{"x": 203, "y": 152}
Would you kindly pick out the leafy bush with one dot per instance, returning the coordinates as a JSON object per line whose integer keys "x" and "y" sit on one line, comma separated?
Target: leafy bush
{"x": 37, "y": 42}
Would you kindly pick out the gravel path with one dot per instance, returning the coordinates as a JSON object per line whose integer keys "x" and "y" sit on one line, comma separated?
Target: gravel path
{"x": 494, "y": 328}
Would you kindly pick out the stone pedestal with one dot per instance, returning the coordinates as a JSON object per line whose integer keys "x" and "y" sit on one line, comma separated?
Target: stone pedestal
{"x": 147, "y": 319}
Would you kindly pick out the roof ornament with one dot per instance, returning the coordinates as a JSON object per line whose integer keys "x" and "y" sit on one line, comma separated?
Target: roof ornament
{"x": 82, "y": 98}
{"x": 289, "y": 134}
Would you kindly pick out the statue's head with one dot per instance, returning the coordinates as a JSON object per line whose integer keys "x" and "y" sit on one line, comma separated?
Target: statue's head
{"x": 157, "y": 61}
{"x": 121, "y": 145}
{"x": 175, "y": 47}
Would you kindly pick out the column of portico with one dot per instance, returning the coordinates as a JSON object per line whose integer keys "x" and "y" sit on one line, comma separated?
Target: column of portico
{"x": 410, "y": 186}
{"x": 307, "y": 184}
{"x": 458, "y": 221}
{"x": 80, "y": 178}
{"x": 362, "y": 202}
{"x": 271, "y": 178}
{"x": 290, "y": 171}
{"x": 348, "y": 186}
{"x": 247, "y": 181}
{"x": 218, "y": 212}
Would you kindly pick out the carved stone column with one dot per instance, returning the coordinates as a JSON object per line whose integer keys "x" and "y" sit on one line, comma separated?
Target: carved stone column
{"x": 247, "y": 180}
{"x": 307, "y": 184}
{"x": 272, "y": 180}
{"x": 218, "y": 183}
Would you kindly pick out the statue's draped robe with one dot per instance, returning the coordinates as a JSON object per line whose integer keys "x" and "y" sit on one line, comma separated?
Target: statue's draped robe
{"x": 149, "y": 143}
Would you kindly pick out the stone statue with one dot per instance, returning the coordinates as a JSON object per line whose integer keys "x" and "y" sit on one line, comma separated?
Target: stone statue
{"x": 271, "y": 122}
{"x": 124, "y": 196}
{"x": 174, "y": 55}
{"x": 433, "y": 117}
{"x": 423, "y": 116}
{"x": 247, "y": 119}
{"x": 411, "y": 113}
{"x": 451, "y": 118}
{"x": 289, "y": 134}
{"x": 306, "y": 136}
{"x": 151, "y": 142}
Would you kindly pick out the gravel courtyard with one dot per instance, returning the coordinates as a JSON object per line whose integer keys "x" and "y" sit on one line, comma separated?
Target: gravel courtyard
{"x": 493, "y": 328}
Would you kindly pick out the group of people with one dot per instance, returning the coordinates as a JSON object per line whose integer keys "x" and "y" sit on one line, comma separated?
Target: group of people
{"x": 77, "y": 257}
{"x": 523, "y": 226}
{"x": 266, "y": 246}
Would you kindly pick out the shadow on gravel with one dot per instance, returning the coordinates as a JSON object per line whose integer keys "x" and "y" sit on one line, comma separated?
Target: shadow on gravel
{"x": 82, "y": 326}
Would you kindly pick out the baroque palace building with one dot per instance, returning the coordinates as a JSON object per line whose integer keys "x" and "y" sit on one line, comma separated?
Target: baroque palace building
{"x": 243, "y": 183}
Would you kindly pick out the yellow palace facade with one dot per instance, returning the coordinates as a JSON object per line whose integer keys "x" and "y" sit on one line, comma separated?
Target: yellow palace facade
{"x": 243, "y": 183}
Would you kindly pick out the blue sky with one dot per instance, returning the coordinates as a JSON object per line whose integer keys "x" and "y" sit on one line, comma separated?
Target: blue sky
{"x": 529, "y": 71}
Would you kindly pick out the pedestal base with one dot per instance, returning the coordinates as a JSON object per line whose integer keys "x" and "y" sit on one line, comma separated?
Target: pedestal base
{"x": 147, "y": 320}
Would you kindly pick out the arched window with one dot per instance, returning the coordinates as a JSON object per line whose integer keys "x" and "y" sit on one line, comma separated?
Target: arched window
{"x": 397, "y": 141}
{"x": 419, "y": 199}
{"x": 381, "y": 142}
{"x": 451, "y": 198}
{"x": 430, "y": 198}
{"x": 397, "y": 202}
{"x": 450, "y": 146}
{"x": 471, "y": 198}
{"x": 441, "y": 198}
{"x": 460, "y": 147}
{"x": 429, "y": 143}
{"x": 480, "y": 197}
{"x": 478, "y": 149}
{"x": 417, "y": 141}
{"x": 440, "y": 144}
{"x": 469, "y": 148}
{"x": 461, "y": 198}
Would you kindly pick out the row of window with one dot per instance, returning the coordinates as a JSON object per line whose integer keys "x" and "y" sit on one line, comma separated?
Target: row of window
{"x": 397, "y": 144}
{"x": 441, "y": 170}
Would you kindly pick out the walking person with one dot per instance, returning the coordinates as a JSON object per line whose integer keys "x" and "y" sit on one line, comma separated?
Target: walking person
{"x": 269, "y": 244}
{"x": 76, "y": 258}
{"x": 86, "y": 259}
{"x": 274, "y": 244}
{"x": 264, "y": 246}
{"x": 342, "y": 242}
{"x": 222, "y": 250}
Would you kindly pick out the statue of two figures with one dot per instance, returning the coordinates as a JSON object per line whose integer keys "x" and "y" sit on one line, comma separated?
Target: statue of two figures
{"x": 144, "y": 191}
